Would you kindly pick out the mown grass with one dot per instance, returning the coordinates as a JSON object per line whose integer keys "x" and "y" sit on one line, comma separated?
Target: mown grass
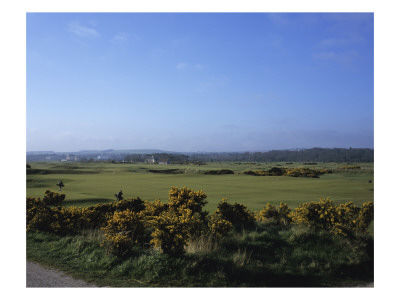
{"x": 267, "y": 256}
{"x": 86, "y": 183}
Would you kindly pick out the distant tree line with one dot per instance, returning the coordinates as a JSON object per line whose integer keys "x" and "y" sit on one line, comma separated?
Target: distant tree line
{"x": 304, "y": 155}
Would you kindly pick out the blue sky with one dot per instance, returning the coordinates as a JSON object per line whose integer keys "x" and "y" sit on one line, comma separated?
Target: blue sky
{"x": 199, "y": 81}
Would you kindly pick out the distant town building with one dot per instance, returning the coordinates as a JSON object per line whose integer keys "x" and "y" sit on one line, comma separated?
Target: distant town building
{"x": 150, "y": 160}
{"x": 164, "y": 162}
{"x": 70, "y": 157}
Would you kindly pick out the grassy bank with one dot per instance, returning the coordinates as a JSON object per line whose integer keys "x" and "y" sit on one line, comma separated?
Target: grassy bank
{"x": 266, "y": 256}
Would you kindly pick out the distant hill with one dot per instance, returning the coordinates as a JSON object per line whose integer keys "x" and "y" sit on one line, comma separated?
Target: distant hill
{"x": 112, "y": 151}
{"x": 84, "y": 155}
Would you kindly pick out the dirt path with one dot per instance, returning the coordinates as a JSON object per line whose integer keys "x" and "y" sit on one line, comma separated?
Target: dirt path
{"x": 39, "y": 276}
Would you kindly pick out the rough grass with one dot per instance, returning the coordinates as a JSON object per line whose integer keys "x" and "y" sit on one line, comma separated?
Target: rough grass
{"x": 268, "y": 256}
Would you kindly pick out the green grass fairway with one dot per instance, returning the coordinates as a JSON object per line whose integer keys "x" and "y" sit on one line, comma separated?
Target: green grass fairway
{"x": 91, "y": 183}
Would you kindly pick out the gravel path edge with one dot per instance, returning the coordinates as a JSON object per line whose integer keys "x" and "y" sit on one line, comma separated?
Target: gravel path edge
{"x": 40, "y": 276}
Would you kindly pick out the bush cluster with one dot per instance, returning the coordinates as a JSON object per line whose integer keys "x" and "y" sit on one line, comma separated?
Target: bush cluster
{"x": 306, "y": 172}
{"x": 219, "y": 172}
{"x": 353, "y": 167}
{"x": 175, "y": 223}
{"x": 237, "y": 214}
{"x": 340, "y": 219}
{"x": 171, "y": 226}
{"x": 294, "y": 172}
{"x": 270, "y": 213}
{"x": 124, "y": 230}
{"x": 48, "y": 215}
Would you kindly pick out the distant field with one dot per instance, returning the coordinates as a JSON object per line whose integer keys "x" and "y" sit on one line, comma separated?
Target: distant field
{"x": 91, "y": 183}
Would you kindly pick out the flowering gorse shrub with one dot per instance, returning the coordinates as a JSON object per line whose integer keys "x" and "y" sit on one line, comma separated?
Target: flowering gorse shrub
{"x": 342, "y": 219}
{"x": 304, "y": 172}
{"x": 153, "y": 209}
{"x": 96, "y": 216}
{"x": 171, "y": 226}
{"x": 136, "y": 205}
{"x": 319, "y": 214}
{"x": 39, "y": 216}
{"x": 48, "y": 215}
{"x": 294, "y": 172}
{"x": 271, "y": 214}
{"x": 172, "y": 229}
{"x": 353, "y": 167}
{"x": 236, "y": 213}
{"x": 41, "y": 213}
{"x": 125, "y": 229}
{"x": 179, "y": 220}
{"x": 365, "y": 216}
{"x": 67, "y": 220}
{"x": 53, "y": 199}
{"x": 186, "y": 198}
{"x": 218, "y": 226}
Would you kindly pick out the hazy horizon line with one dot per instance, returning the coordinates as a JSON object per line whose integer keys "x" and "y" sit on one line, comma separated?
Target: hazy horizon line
{"x": 196, "y": 151}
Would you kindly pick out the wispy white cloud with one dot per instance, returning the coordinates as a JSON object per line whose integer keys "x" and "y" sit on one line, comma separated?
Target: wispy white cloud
{"x": 120, "y": 38}
{"x": 78, "y": 29}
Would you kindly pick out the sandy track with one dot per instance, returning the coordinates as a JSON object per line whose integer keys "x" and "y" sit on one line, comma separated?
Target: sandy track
{"x": 39, "y": 276}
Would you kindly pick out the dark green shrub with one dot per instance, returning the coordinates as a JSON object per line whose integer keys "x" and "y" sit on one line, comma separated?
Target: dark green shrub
{"x": 278, "y": 216}
{"x": 53, "y": 199}
{"x": 41, "y": 213}
{"x": 219, "y": 172}
{"x": 275, "y": 171}
{"x": 136, "y": 205}
{"x": 236, "y": 213}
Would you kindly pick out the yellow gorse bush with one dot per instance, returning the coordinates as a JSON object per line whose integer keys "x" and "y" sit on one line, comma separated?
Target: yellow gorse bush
{"x": 271, "y": 214}
{"x": 186, "y": 198}
{"x": 170, "y": 226}
{"x": 236, "y": 214}
{"x": 218, "y": 226}
{"x": 123, "y": 230}
{"x": 43, "y": 214}
{"x": 173, "y": 228}
{"x": 154, "y": 208}
{"x": 305, "y": 172}
{"x": 179, "y": 220}
{"x": 353, "y": 167}
{"x": 342, "y": 219}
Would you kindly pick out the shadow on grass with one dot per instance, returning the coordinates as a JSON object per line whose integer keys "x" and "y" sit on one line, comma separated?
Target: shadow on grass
{"x": 87, "y": 202}
{"x": 59, "y": 171}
